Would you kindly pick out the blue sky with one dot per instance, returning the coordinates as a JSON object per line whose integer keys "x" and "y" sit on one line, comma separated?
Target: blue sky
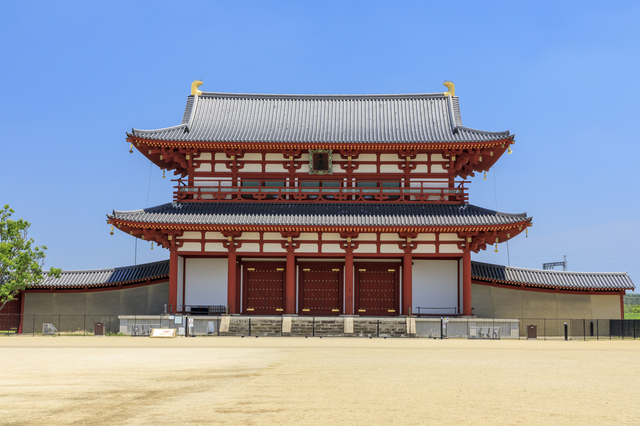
{"x": 562, "y": 76}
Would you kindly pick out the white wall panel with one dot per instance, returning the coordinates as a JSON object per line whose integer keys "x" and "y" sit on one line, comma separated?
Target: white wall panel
{"x": 449, "y": 248}
{"x": 435, "y": 284}
{"x": 215, "y": 247}
{"x": 425, "y": 248}
{"x": 206, "y": 282}
{"x": 274, "y": 248}
{"x": 248, "y": 248}
{"x": 190, "y": 247}
{"x": 203, "y": 156}
{"x": 277, "y": 168}
{"x": 332, "y": 248}
{"x": 366, "y": 248}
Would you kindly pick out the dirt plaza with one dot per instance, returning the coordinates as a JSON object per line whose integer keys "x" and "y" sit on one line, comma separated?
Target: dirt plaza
{"x": 341, "y": 381}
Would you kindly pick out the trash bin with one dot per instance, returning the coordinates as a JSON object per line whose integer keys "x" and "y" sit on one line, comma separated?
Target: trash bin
{"x": 98, "y": 329}
{"x": 532, "y": 331}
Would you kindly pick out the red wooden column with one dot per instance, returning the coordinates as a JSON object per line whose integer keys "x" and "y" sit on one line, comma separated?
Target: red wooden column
{"x": 348, "y": 283}
{"x": 290, "y": 284}
{"x": 232, "y": 287}
{"x": 173, "y": 280}
{"x": 466, "y": 283}
{"x": 407, "y": 284}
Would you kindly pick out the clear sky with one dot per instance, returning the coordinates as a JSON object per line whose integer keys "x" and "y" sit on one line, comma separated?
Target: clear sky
{"x": 562, "y": 76}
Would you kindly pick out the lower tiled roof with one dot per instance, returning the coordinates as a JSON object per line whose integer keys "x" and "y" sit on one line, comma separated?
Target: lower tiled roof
{"x": 552, "y": 279}
{"x": 310, "y": 214}
{"x": 108, "y": 277}
{"x": 479, "y": 271}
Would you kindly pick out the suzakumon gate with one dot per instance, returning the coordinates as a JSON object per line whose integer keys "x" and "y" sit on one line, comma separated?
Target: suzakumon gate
{"x": 321, "y": 204}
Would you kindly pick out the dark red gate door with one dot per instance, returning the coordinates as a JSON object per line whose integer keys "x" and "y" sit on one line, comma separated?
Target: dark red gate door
{"x": 263, "y": 288}
{"x": 377, "y": 289}
{"x": 10, "y": 315}
{"x": 320, "y": 287}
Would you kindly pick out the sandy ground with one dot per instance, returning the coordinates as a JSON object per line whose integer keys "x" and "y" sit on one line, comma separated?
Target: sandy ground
{"x": 280, "y": 380}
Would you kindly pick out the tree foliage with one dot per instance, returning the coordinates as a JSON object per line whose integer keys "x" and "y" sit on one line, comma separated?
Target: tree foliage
{"x": 21, "y": 261}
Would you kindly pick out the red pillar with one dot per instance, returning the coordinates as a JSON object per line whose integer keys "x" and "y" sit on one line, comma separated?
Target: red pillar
{"x": 173, "y": 281}
{"x": 232, "y": 287}
{"x": 407, "y": 284}
{"x": 290, "y": 285}
{"x": 348, "y": 283}
{"x": 466, "y": 283}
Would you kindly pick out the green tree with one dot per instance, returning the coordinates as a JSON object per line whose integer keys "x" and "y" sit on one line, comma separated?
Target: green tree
{"x": 21, "y": 261}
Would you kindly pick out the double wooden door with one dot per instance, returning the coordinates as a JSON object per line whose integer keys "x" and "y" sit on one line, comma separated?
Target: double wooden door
{"x": 320, "y": 288}
{"x": 377, "y": 289}
{"x": 263, "y": 288}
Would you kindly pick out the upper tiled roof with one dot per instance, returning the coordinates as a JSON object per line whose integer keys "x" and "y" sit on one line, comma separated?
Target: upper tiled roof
{"x": 552, "y": 279}
{"x": 232, "y": 117}
{"x": 311, "y": 214}
{"x": 108, "y": 277}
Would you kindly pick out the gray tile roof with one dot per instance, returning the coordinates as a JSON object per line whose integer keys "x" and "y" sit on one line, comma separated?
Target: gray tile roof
{"x": 232, "y": 117}
{"x": 310, "y": 214}
{"x": 108, "y": 277}
{"x": 552, "y": 279}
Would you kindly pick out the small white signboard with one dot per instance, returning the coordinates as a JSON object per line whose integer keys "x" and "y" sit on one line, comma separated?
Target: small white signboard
{"x": 190, "y": 322}
{"x": 163, "y": 332}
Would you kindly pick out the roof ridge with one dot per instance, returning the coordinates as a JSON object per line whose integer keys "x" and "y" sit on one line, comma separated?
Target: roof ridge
{"x": 116, "y": 268}
{"x": 323, "y": 96}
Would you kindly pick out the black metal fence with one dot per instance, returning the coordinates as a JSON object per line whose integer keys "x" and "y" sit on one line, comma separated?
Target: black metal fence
{"x": 221, "y": 325}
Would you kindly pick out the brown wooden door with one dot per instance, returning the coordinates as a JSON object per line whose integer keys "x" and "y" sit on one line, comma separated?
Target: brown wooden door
{"x": 263, "y": 288}
{"x": 377, "y": 289}
{"x": 10, "y": 315}
{"x": 320, "y": 288}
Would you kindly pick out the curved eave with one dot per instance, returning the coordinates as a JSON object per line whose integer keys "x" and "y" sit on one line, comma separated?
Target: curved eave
{"x": 320, "y": 228}
{"x": 373, "y": 146}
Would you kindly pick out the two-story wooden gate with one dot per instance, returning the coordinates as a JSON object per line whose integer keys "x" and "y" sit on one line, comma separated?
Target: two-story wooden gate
{"x": 377, "y": 289}
{"x": 320, "y": 288}
{"x": 263, "y": 288}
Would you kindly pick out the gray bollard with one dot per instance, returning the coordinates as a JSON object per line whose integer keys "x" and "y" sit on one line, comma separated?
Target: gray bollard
{"x": 566, "y": 332}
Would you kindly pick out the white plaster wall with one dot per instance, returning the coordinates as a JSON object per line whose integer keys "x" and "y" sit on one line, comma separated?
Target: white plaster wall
{"x": 425, "y": 248}
{"x": 366, "y": 248}
{"x": 331, "y": 248}
{"x": 435, "y": 284}
{"x": 206, "y": 282}
{"x": 190, "y": 247}
{"x": 449, "y": 248}
{"x": 253, "y": 168}
{"x": 366, "y": 168}
{"x": 215, "y": 247}
{"x": 206, "y": 167}
{"x": 390, "y": 248}
{"x": 276, "y": 168}
{"x": 248, "y": 248}
{"x": 204, "y": 156}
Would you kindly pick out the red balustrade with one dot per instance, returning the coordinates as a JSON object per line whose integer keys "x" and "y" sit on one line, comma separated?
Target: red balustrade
{"x": 326, "y": 191}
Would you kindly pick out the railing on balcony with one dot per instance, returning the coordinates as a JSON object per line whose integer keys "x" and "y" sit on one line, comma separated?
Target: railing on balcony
{"x": 330, "y": 191}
